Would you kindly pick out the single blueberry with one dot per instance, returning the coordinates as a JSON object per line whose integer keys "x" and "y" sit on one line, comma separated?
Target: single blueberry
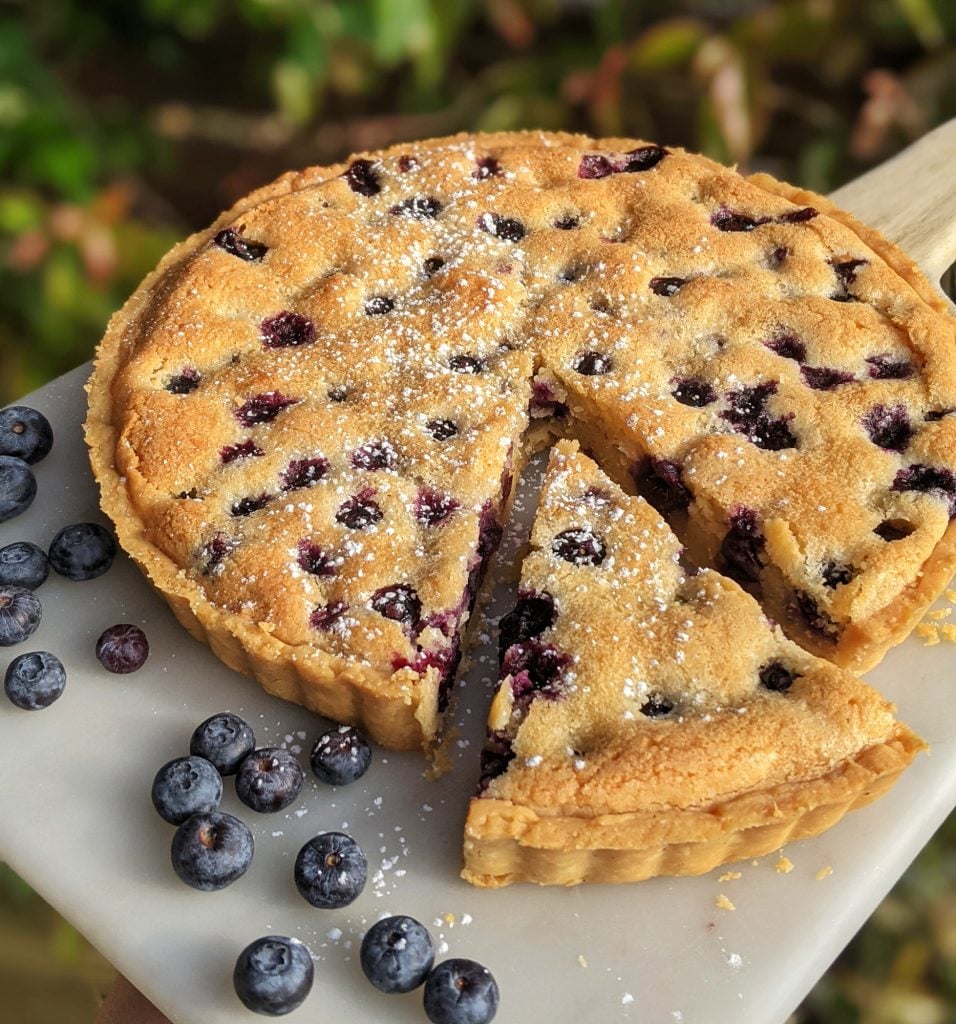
{"x": 579, "y": 547}
{"x": 693, "y": 391}
{"x": 593, "y": 364}
{"x": 82, "y": 551}
{"x": 25, "y": 434}
{"x": 379, "y": 305}
{"x": 330, "y": 870}
{"x": 18, "y": 487}
{"x": 341, "y": 756}
{"x": 824, "y": 378}
{"x": 660, "y": 483}
{"x": 789, "y": 346}
{"x": 419, "y": 207}
{"x": 836, "y": 574}
{"x": 397, "y": 954}
{"x": 242, "y": 450}
{"x": 530, "y": 617}
{"x": 225, "y": 740}
{"x": 246, "y": 249}
{"x": 656, "y": 707}
{"x": 211, "y": 850}
{"x": 184, "y": 383}
{"x": 186, "y": 786}
{"x": 23, "y": 564}
{"x": 506, "y": 228}
{"x": 441, "y": 430}
{"x": 273, "y": 975}
{"x": 461, "y": 991}
{"x": 777, "y": 677}
{"x": 304, "y": 472}
{"x": 269, "y": 779}
{"x": 433, "y": 507}
{"x": 730, "y": 220}
{"x": 263, "y": 408}
{"x": 398, "y": 602}
{"x": 359, "y": 511}
{"x": 742, "y": 546}
{"x": 328, "y": 617}
{"x": 122, "y": 648}
{"x": 252, "y": 503}
{"x": 35, "y": 680}
{"x": 377, "y": 454}
{"x": 314, "y": 559}
{"x": 20, "y": 613}
{"x": 287, "y": 330}
{"x": 362, "y": 178}
{"x": 666, "y": 287}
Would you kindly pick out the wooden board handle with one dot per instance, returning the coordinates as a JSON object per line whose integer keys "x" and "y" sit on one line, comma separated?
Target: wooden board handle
{"x": 912, "y": 200}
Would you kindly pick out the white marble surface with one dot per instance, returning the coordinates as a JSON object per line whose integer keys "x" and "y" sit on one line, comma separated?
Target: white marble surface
{"x": 76, "y": 822}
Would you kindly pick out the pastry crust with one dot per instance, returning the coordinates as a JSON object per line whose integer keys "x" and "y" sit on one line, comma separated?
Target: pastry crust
{"x": 652, "y": 722}
{"x": 525, "y": 306}
{"x": 506, "y": 843}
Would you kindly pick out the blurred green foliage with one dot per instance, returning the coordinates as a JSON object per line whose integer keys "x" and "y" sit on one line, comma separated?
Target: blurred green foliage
{"x": 124, "y": 124}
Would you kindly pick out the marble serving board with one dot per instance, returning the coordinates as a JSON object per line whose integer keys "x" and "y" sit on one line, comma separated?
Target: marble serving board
{"x": 742, "y": 944}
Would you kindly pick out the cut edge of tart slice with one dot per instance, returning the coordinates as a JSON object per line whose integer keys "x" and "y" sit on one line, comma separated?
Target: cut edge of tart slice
{"x": 650, "y": 720}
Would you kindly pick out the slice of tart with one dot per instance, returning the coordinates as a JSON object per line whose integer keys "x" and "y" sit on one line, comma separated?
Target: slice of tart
{"x": 650, "y": 719}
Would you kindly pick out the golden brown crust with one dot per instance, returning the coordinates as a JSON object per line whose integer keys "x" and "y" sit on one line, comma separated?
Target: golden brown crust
{"x": 203, "y": 304}
{"x": 505, "y": 843}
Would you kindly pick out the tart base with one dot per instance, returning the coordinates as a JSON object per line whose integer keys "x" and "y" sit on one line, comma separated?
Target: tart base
{"x": 506, "y": 843}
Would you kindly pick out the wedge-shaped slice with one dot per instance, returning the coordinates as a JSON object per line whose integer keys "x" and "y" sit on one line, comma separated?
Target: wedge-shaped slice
{"x": 651, "y": 721}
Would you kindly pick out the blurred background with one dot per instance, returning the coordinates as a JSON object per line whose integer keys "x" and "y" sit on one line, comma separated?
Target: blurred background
{"x": 126, "y": 124}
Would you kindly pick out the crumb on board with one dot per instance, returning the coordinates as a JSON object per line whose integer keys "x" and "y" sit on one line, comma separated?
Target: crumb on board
{"x": 783, "y": 866}
{"x": 824, "y": 872}
{"x": 948, "y": 632}
{"x": 730, "y": 876}
{"x": 581, "y": 960}
{"x": 723, "y": 903}
{"x": 951, "y": 596}
{"x": 928, "y": 633}
{"x": 939, "y": 614}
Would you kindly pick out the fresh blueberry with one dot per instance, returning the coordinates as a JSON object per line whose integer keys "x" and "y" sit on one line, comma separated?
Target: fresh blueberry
{"x": 269, "y": 779}
{"x": 211, "y": 850}
{"x": 25, "y": 433}
{"x": 330, "y": 870}
{"x": 341, "y": 756}
{"x": 186, "y": 786}
{"x": 273, "y": 975}
{"x": 224, "y": 740}
{"x": 460, "y": 991}
{"x": 20, "y": 613}
{"x": 122, "y": 648}
{"x": 23, "y": 564}
{"x": 18, "y": 487}
{"x": 397, "y": 954}
{"x": 82, "y": 551}
{"x": 34, "y": 680}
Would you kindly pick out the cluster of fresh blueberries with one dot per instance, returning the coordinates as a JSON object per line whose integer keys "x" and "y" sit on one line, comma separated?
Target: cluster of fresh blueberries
{"x": 81, "y": 551}
{"x": 274, "y": 974}
{"x": 212, "y": 849}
